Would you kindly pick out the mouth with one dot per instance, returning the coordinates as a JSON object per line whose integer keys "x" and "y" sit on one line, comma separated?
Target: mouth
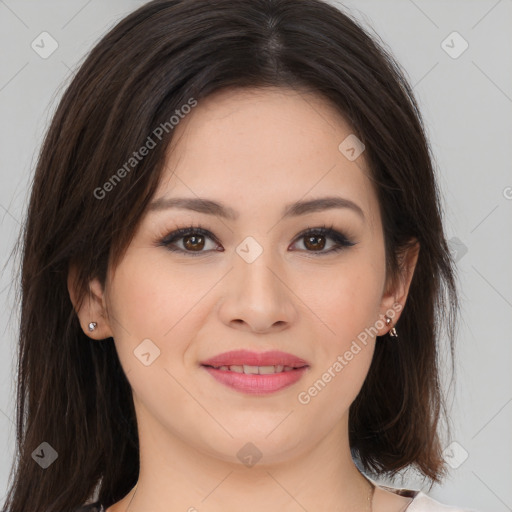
{"x": 256, "y": 370}
{"x": 248, "y": 361}
{"x": 256, "y": 373}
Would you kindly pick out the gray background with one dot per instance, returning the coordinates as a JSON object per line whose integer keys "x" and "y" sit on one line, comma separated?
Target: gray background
{"x": 467, "y": 105}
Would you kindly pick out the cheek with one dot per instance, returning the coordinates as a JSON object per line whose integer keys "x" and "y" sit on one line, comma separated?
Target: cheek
{"x": 349, "y": 309}
{"x": 347, "y": 297}
{"x": 150, "y": 299}
{"x": 347, "y": 300}
{"x": 138, "y": 300}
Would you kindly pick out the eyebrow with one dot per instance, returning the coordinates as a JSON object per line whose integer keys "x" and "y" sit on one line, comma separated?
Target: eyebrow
{"x": 295, "y": 209}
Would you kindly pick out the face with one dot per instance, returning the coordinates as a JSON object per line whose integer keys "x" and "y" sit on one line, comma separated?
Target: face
{"x": 255, "y": 273}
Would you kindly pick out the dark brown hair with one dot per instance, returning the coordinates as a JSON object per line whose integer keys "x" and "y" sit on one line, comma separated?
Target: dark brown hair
{"x": 72, "y": 392}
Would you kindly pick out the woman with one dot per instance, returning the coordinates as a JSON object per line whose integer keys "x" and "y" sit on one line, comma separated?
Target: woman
{"x": 234, "y": 272}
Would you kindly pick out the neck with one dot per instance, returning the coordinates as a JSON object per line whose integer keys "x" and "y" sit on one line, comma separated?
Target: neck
{"x": 173, "y": 475}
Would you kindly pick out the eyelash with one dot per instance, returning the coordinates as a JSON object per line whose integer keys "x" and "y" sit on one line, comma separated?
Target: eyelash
{"x": 341, "y": 240}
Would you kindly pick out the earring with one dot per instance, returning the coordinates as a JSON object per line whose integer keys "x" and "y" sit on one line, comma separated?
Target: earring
{"x": 92, "y": 326}
{"x": 392, "y": 331}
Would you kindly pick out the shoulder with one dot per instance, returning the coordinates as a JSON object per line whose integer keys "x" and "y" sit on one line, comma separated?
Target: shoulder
{"x": 424, "y": 503}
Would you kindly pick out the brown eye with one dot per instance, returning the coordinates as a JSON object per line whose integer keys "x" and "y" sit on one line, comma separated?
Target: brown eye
{"x": 194, "y": 242}
{"x": 314, "y": 242}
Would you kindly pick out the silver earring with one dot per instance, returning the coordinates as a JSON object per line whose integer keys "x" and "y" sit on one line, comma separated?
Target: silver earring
{"x": 92, "y": 326}
{"x": 392, "y": 331}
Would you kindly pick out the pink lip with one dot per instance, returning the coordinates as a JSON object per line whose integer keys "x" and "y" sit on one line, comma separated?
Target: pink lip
{"x": 241, "y": 357}
{"x": 254, "y": 383}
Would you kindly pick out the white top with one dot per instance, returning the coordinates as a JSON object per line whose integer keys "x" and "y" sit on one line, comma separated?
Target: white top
{"x": 423, "y": 503}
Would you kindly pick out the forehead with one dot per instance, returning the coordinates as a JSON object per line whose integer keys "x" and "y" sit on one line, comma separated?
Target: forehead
{"x": 262, "y": 148}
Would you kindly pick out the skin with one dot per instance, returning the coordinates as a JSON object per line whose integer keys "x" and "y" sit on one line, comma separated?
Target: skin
{"x": 254, "y": 151}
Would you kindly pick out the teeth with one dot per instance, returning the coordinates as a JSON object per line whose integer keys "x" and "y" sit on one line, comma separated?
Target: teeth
{"x": 251, "y": 369}
{"x": 264, "y": 370}
{"x": 255, "y": 370}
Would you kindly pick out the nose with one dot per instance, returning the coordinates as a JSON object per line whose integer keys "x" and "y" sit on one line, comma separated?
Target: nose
{"x": 256, "y": 295}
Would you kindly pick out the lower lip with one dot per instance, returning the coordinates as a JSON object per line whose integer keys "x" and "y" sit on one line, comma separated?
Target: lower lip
{"x": 254, "y": 383}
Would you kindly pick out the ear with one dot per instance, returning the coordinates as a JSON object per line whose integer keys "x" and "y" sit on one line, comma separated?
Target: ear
{"x": 395, "y": 295}
{"x": 92, "y": 309}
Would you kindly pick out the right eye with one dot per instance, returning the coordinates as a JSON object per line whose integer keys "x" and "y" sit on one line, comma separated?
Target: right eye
{"x": 193, "y": 240}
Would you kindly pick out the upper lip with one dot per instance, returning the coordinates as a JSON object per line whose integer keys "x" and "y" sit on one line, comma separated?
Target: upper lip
{"x": 246, "y": 357}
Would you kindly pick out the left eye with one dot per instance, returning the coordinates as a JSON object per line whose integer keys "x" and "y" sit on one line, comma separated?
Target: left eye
{"x": 193, "y": 240}
{"x": 315, "y": 239}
